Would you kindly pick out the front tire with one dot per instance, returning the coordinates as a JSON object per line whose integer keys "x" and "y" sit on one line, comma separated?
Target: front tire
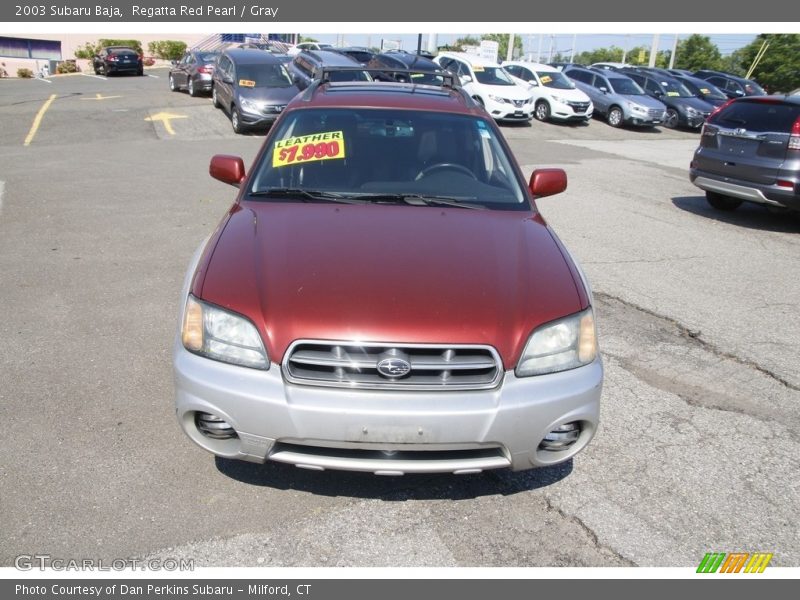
{"x": 215, "y": 98}
{"x": 236, "y": 120}
{"x": 172, "y": 85}
{"x": 542, "y": 111}
{"x": 721, "y": 202}
{"x": 671, "y": 118}
{"x": 615, "y": 117}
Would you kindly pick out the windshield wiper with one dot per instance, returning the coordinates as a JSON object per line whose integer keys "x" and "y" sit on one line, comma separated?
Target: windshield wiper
{"x": 304, "y": 195}
{"x": 420, "y": 200}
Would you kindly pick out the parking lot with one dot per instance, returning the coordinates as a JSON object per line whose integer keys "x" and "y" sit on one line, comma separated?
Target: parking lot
{"x": 105, "y": 195}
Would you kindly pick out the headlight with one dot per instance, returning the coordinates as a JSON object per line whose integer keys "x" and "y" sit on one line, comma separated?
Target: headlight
{"x": 637, "y": 108}
{"x": 693, "y": 112}
{"x": 499, "y": 99}
{"x": 559, "y": 99}
{"x": 221, "y": 335}
{"x": 250, "y": 105}
{"x": 565, "y": 344}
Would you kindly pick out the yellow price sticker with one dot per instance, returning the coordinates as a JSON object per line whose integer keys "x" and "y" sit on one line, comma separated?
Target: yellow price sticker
{"x": 705, "y": 90}
{"x": 247, "y": 83}
{"x": 477, "y": 68}
{"x": 308, "y": 148}
{"x": 673, "y": 94}
{"x": 546, "y": 79}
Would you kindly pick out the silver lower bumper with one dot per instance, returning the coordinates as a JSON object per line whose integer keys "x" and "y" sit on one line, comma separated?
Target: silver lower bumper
{"x": 385, "y": 432}
{"x": 734, "y": 190}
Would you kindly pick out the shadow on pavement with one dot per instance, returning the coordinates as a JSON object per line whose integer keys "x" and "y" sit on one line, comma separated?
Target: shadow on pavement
{"x": 401, "y": 488}
{"x": 747, "y": 215}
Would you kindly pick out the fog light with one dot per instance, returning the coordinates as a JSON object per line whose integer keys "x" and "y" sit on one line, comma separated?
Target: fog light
{"x": 562, "y": 437}
{"x": 213, "y": 426}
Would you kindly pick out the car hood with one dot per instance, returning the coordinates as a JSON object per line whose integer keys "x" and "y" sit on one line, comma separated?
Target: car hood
{"x": 270, "y": 95}
{"x": 512, "y": 92}
{"x": 382, "y": 273}
{"x": 643, "y": 100}
{"x": 573, "y": 95}
{"x": 695, "y": 103}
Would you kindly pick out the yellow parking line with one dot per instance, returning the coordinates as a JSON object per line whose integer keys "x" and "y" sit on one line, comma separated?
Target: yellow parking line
{"x": 38, "y": 120}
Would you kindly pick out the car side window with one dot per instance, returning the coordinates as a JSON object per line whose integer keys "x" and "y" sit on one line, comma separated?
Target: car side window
{"x": 514, "y": 70}
{"x": 718, "y": 81}
{"x": 734, "y": 86}
{"x": 526, "y": 75}
{"x": 652, "y": 87}
{"x": 580, "y": 76}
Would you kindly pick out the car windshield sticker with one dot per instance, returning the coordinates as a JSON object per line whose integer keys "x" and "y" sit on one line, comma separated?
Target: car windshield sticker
{"x": 308, "y": 148}
{"x": 546, "y": 79}
{"x": 477, "y": 68}
{"x": 247, "y": 83}
{"x": 673, "y": 94}
{"x": 705, "y": 90}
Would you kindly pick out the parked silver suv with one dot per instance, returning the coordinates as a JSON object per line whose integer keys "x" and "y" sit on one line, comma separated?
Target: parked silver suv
{"x": 618, "y": 97}
{"x": 750, "y": 151}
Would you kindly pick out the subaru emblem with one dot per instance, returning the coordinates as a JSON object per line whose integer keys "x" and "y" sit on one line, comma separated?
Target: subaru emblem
{"x": 394, "y": 368}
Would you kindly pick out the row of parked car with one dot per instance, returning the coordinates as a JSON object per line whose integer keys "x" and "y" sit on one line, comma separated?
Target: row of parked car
{"x": 750, "y": 144}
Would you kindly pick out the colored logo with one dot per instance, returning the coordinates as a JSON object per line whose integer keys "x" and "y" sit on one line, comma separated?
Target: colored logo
{"x": 735, "y": 562}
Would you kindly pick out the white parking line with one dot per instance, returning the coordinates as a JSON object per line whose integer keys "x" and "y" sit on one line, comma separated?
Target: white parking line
{"x": 153, "y": 76}
{"x": 2, "y": 189}
{"x": 44, "y": 80}
{"x": 95, "y": 76}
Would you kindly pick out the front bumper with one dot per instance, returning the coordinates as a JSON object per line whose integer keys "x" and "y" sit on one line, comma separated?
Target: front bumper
{"x": 385, "y": 432}
{"x": 692, "y": 121}
{"x": 639, "y": 118}
{"x": 573, "y": 111}
{"x": 503, "y": 111}
{"x": 770, "y": 195}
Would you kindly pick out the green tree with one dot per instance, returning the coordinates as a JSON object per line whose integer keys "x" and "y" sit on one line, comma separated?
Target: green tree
{"x": 461, "y": 43}
{"x": 304, "y": 38}
{"x": 588, "y": 57}
{"x": 167, "y": 49}
{"x": 697, "y": 52}
{"x": 502, "y": 41}
{"x": 779, "y": 68}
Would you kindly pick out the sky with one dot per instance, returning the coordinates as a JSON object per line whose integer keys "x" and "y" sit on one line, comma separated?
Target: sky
{"x": 561, "y": 43}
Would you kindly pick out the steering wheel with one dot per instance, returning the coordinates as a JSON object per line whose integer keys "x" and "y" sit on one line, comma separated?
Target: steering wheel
{"x": 439, "y": 166}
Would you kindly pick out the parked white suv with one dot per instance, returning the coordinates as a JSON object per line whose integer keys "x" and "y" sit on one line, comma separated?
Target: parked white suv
{"x": 556, "y": 97}
{"x": 487, "y": 82}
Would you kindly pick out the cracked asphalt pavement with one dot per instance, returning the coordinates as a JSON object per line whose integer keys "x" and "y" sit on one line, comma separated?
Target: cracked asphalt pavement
{"x": 99, "y": 215}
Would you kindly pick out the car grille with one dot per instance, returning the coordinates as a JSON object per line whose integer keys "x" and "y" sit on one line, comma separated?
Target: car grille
{"x": 273, "y": 109}
{"x": 355, "y": 365}
{"x": 655, "y": 113}
{"x": 519, "y": 103}
{"x": 579, "y": 106}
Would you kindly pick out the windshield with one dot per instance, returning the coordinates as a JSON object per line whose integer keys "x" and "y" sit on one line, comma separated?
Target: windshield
{"x": 263, "y": 76}
{"x": 386, "y": 155}
{"x": 555, "y": 80}
{"x": 625, "y": 86}
{"x": 674, "y": 89}
{"x": 492, "y": 75}
{"x": 751, "y": 88}
{"x": 704, "y": 89}
{"x": 207, "y": 57}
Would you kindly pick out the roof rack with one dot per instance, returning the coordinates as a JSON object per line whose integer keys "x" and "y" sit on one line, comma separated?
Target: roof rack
{"x": 448, "y": 79}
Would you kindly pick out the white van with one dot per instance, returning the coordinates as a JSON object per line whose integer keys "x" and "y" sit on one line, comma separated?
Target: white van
{"x": 556, "y": 97}
{"x": 488, "y": 83}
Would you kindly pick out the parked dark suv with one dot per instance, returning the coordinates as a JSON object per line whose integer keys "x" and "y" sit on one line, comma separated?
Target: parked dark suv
{"x": 683, "y": 108}
{"x": 425, "y": 70}
{"x": 307, "y": 66}
{"x": 732, "y": 85}
{"x": 252, "y": 86}
{"x": 750, "y": 151}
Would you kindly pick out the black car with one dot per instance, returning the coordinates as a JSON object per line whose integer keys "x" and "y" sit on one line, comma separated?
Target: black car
{"x": 750, "y": 152}
{"x": 114, "y": 60}
{"x": 683, "y": 108}
{"x": 425, "y": 70}
{"x": 703, "y": 89}
{"x": 308, "y": 65}
{"x": 193, "y": 72}
{"x": 360, "y": 55}
{"x": 252, "y": 86}
{"x": 732, "y": 85}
